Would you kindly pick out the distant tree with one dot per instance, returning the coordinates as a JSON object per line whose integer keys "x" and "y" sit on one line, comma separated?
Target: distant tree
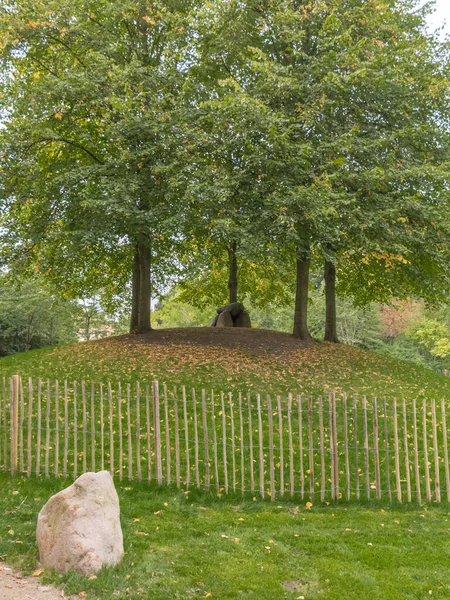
{"x": 30, "y": 317}
{"x": 397, "y": 316}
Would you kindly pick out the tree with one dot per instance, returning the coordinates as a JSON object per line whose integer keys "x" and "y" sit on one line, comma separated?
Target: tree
{"x": 91, "y": 110}
{"x": 31, "y": 318}
{"x": 358, "y": 181}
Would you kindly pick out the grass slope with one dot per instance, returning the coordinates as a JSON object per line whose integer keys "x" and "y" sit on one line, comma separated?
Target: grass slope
{"x": 196, "y": 546}
{"x": 228, "y": 359}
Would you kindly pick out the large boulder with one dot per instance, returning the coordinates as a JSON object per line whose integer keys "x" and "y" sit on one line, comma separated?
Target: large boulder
{"x": 234, "y": 309}
{"x": 225, "y": 320}
{"x": 243, "y": 320}
{"x": 79, "y": 528}
{"x": 232, "y": 315}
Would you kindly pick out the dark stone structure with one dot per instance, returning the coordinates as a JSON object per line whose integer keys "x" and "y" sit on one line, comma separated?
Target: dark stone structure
{"x": 232, "y": 315}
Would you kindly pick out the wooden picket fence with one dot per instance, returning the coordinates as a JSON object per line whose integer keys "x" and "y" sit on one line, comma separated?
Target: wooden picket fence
{"x": 330, "y": 448}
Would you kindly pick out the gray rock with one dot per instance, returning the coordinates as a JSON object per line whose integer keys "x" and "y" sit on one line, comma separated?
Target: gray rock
{"x": 79, "y": 528}
{"x": 243, "y": 320}
{"x": 234, "y": 309}
{"x": 225, "y": 320}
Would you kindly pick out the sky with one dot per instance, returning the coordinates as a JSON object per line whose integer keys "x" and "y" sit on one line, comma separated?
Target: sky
{"x": 442, "y": 14}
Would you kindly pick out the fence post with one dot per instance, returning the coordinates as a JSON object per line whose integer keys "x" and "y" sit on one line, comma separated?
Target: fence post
{"x": 15, "y": 383}
{"x": 157, "y": 436}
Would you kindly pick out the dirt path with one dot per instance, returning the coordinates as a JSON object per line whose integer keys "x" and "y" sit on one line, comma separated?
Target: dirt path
{"x": 15, "y": 587}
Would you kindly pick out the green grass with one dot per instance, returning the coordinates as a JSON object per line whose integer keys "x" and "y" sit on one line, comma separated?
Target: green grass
{"x": 191, "y": 545}
{"x": 312, "y": 370}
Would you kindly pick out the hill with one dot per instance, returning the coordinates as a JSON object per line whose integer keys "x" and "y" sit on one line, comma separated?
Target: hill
{"x": 227, "y": 359}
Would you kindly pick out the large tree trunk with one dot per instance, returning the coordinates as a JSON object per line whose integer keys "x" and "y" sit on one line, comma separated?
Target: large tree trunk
{"x": 135, "y": 285}
{"x": 330, "y": 303}
{"x": 301, "y": 301}
{"x": 233, "y": 273}
{"x": 144, "y": 289}
{"x": 141, "y": 290}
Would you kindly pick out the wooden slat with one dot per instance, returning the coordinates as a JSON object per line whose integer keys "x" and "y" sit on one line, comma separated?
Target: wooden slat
{"x": 93, "y": 427}
{"x": 323, "y": 474}
{"x": 356, "y": 449}
{"x": 66, "y": 427}
{"x": 47, "y": 429}
{"x": 335, "y": 448}
{"x": 111, "y": 430}
{"x": 271, "y": 454}
{"x": 30, "y": 425}
{"x": 376, "y": 455}
{"x": 102, "y": 429}
{"x": 14, "y": 410}
{"x": 75, "y": 428}
{"x": 398, "y": 485}
{"x": 437, "y": 478}
{"x": 425, "y": 451}
{"x": 196, "y": 448}
{"x": 83, "y": 398}
{"x": 205, "y": 440}
{"x": 291, "y": 448}
{"x": 167, "y": 434}
{"x": 177, "y": 438}
{"x": 406, "y": 451}
{"x": 322, "y": 444}
{"x": 444, "y": 436}
{"x": 346, "y": 449}
{"x": 186, "y": 436}
{"x": 241, "y": 441}
{"x": 56, "y": 428}
{"x": 148, "y": 433}
{"x": 5, "y": 426}
{"x": 224, "y": 442}
{"x": 21, "y": 422}
{"x": 138, "y": 431}
{"x": 12, "y": 433}
{"x": 300, "y": 445}
{"x": 214, "y": 430}
{"x": 386, "y": 450}
{"x": 261, "y": 446}
{"x": 120, "y": 424}
{"x": 129, "y": 438}
{"x": 311, "y": 449}
{"x": 280, "y": 428}
{"x": 366, "y": 448}
{"x": 416, "y": 455}
{"x": 157, "y": 429}
{"x": 250, "y": 440}
{"x": 2, "y": 422}
{"x": 233, "y": 438}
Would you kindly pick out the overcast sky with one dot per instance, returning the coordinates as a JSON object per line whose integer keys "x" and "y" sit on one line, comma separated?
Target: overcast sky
{"x": 441, "y": 15}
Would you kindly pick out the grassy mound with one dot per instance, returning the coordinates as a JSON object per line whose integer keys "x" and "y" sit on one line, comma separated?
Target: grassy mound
{"x": 229, "y": 359}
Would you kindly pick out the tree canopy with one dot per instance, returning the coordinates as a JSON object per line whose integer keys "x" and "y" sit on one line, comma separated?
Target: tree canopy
{"x": 230, "y": 145}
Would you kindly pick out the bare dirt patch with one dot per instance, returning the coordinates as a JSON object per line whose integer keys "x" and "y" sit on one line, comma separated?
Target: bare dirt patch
{"x": 261, "y": 342}
{"x": 14, "y": 586}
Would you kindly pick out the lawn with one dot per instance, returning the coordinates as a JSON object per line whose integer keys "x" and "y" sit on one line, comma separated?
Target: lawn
{"x": 199, "y": 546}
